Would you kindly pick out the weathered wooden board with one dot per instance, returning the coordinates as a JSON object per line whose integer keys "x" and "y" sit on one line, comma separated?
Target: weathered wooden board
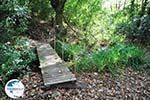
{"x": 57, "y": 73}
{"x": 53, "y": 69}
{"x": 47, "y": 55}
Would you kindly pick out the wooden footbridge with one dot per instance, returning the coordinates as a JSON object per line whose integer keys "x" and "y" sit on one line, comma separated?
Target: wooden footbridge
{"x": 54, "y": 71}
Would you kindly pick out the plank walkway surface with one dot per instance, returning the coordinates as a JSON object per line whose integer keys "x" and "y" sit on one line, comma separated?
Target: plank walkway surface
{"x": 53, "y": 69}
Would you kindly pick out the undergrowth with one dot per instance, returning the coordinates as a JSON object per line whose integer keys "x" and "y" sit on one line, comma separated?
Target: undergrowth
{"x": 14, "y": 57}
{"x": 112, "y": 58}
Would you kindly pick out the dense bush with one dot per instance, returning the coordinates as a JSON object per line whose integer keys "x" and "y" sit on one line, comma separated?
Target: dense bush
{"x": 136, "y": 30}
{"x": 14, "y": 18}
{"x": 14, "y": 57}
{"x": 41, "y": 9}
{"x": 137, "y": 25}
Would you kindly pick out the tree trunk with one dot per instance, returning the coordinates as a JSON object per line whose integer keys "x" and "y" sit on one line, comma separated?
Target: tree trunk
{"x": 148, "y": 10}
{"x": 58, "y": 6}
{"x": 144, "y": 3}
{"x": 132, "y": 9}
{"x": 59, "y": 18}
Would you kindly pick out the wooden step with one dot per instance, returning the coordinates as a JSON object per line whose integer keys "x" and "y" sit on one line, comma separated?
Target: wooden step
{"x": 53, "y": 69}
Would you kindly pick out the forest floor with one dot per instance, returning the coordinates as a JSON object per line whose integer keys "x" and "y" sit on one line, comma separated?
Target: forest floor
{"x": 129, "y": 85}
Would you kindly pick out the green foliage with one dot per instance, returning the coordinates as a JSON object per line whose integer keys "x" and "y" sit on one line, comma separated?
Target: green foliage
{"x": 113, "y": 58}
{"x": 67, "y": 51}
{"x": 41, "y": 9}
{"x": 137, "y": 24}
{"x": 81, "y": 12}
{"x": 98, "y": 27}
{"x": 136, "y": 30}
{"x": 95, "y": 24}
{"x": 14, "y": 17}
{"x": 110, "y": 58}
{"x": 91, "y": 18}
{"x": 15, "y": 57}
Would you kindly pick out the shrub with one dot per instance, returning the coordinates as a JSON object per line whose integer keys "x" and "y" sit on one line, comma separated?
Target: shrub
{"x": 14, "y": 18}
{"x": 137, "y": 30}
{"x": 15, "y": 57}
{"x": 136, "y": 24}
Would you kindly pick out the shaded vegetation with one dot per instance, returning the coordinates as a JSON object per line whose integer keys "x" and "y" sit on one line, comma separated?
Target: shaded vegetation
{"x": 14, "y": 57}
{"x": 89, "y": 36}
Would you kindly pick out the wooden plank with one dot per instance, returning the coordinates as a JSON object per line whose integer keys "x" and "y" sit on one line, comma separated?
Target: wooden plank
{"x": 47, "y": 55}
{"x": 69, "y": 85}
{"x": 53, "y": 69}
{"x": 57, "y": 73}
